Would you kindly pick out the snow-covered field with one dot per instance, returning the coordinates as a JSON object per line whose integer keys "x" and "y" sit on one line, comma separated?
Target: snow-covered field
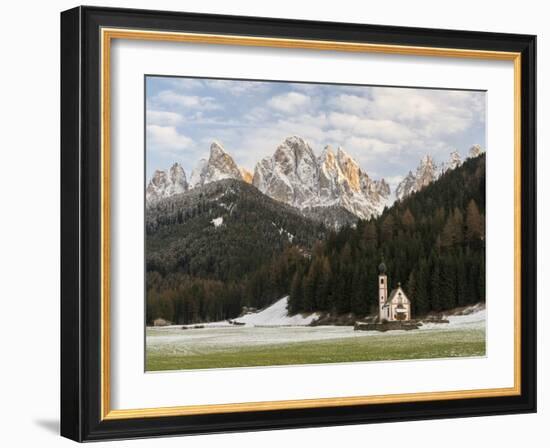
{"x": 273, "y": 327}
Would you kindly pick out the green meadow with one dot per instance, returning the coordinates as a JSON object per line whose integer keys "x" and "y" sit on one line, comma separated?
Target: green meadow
{"x": 212, "y": 348}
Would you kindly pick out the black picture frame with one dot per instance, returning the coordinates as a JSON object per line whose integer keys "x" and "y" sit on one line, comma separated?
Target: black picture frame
{"x": 81, "y": 224}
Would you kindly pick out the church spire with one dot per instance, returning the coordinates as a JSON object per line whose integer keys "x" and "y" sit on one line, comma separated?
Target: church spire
{"x": 382, "y": 290}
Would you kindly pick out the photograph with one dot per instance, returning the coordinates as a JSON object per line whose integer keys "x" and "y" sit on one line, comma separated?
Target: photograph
{"x": 292, "y": 223}
{"x": 304, "y": 221}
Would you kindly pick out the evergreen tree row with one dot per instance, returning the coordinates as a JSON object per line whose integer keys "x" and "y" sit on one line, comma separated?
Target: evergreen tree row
{"x": 433, "y": 243}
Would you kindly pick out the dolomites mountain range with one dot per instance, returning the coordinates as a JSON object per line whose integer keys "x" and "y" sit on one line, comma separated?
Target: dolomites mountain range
{"x": 294, "y": 175}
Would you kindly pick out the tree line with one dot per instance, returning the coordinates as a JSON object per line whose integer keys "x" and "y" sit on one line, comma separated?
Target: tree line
{"x": 432, "y": 242}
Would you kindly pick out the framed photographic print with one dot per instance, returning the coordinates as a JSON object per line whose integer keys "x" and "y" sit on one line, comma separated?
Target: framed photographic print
{"x": 272, "y": 223}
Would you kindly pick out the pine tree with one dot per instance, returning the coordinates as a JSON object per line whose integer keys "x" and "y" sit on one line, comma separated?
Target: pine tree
{"x": 387, "y": 228}
{"x": 370, "y": 236}
{"x": 435, "y": 284}
{"x": 323, "y": 284}
{"x": 295, "y": 302}
{"x": 411, "y": 288}
{"x": 447, "y": 283}
{"x": 408, "y": 219}
{"x": 461, "y": 280}
{"x": 474, "y": 222}
{"x": 420, "y": 299}
{"x": 358, "y": 302}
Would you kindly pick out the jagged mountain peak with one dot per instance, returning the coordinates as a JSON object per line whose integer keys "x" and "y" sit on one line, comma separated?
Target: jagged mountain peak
{"x": 341, "y": 153}
{"x": 427, "y": 161}
{"x": 295, "y": 141}
{"x": 197, "y": 172}
{"x": 217, "y": 149}
{"x": 426, "y": 158}
{"x": 220, "y": 165}
{"x": 164, "y": 184}
{"x": 297, "y": 148}
{"x": 350, "y": 168}
{"x": 328, "y": 158}
{"x": 428, "y": 171}
{"x": 455, "y": 160}
{"x": 334, "y": 179}
{"x": 475, "y": 150}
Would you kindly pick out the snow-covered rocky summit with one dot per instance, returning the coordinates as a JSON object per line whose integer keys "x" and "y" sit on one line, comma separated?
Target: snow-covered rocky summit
{"x": 166, "y": 183}
{"x": 220, "y": 165}
{"x": 454, "y": 162}
{"x": 290, "y": 175}
{"x": 475, "y": 150}
{"x": 295, "y": 176}
{"x": 428, "y": 171}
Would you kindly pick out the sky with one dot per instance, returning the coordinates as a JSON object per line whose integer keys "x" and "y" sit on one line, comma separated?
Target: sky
{"x": 386, "y": 129}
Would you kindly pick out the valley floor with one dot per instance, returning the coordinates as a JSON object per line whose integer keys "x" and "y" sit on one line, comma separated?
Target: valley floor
{"x": 218, "y": 346}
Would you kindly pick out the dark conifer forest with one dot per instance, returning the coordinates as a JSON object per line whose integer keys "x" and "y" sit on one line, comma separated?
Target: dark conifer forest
{"x": 432, "y": 242}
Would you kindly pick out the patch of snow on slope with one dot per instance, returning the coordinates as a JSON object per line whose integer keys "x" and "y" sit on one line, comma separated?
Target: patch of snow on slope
{"x": 277, "y": 315}
{"x": 474, "y": 320}
{"x": 289, "y": 235}
{"x": 217, "y": 221}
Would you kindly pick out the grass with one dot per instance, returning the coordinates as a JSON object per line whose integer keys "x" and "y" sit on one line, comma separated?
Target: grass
{"x": 412, "y": 345}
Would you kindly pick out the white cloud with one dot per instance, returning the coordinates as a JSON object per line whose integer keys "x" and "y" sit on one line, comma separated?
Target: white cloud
{"x": 185, "y": 83}
{"x": 257, "y": 114}
{"x": 171, "y": 98}
{"x": 166, "y": 138}
{"x": 372, "y": 146}
{"x": 239, "y": 88}
{"x": 383, "y": 129}
{"x": 432, "y": 113}
{"x": 290, "y": 102}
{"x": 350, "y": 103}
{"x": 386, "y": 129}
{"x": 163, "y": 118}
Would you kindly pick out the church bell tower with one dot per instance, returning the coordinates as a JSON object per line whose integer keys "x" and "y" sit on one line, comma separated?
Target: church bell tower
{"x": 382, "y": 290}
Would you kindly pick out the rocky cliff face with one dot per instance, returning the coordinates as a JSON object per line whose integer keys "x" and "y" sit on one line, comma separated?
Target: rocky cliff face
{"x": 428, "y": 171}
{"x": 290, "y": 175}
{"x": 246, "y": 175}
{"x": 475, "y": 151}
{"x": 219, "y": 166}
{"x": 294, "y": 175}
{"x": 166, "y": 183}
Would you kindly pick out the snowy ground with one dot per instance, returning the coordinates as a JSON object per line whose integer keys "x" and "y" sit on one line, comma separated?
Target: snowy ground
{"x": 277, "y": 315}
{"x": 273, "y": 327}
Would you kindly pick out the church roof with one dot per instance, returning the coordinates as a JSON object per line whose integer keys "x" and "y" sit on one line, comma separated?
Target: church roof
{"x": 392, "y": 294}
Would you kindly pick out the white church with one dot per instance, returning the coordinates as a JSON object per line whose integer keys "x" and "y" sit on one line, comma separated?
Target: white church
{"x": 393, "y": 306}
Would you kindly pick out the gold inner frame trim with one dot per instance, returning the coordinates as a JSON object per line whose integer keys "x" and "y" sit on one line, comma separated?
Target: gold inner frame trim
{"x": 107, "y": 35}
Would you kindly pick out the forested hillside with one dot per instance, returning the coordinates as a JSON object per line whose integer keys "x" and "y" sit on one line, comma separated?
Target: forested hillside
{"x": 433, "y": 242}
{"x": 212, "y": 250}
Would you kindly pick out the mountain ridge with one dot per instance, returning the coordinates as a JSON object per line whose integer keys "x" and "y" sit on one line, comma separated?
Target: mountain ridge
{"x": 428, "y": 171}
{"x": 294, "y": 175}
